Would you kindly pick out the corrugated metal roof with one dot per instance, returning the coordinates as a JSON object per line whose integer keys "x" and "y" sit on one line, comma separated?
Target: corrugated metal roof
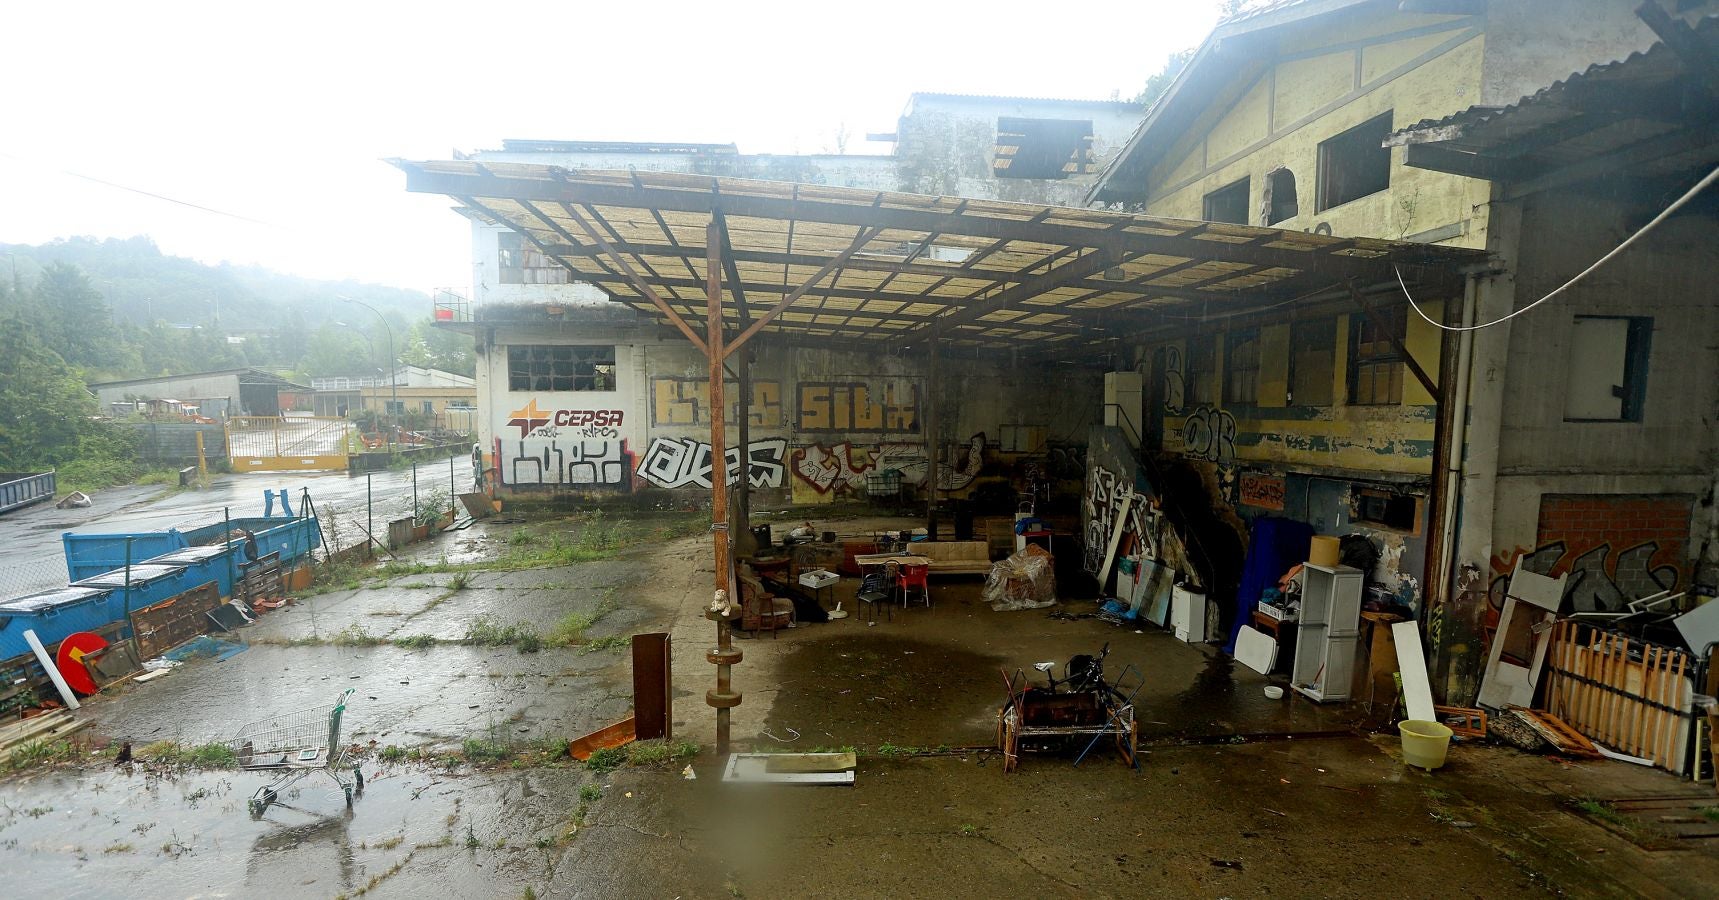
{"x": 1600, "y": 109}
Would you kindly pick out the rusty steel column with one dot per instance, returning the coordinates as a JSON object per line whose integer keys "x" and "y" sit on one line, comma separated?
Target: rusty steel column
{"x": 725, "y": 656}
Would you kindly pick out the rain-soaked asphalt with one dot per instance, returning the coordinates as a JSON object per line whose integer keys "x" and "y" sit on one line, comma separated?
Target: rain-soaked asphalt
{"x": 31, "y": 558}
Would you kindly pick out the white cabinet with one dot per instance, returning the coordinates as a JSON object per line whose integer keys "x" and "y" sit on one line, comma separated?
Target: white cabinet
{"x": 1329, "y": 630}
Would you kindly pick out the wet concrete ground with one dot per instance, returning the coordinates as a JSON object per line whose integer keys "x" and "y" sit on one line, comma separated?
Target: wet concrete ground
{"x": 1307, "y": 816}
{"x": 31, "y": 556}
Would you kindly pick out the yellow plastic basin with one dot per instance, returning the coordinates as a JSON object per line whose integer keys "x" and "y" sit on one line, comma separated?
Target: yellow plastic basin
{"x": 1424, "y": 743}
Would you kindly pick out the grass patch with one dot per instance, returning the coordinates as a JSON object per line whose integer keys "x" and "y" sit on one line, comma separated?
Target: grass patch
{"x": 590, "y": 793}
{"x": 1710, "y": 813}
{"x": 606, "y": 759}
{"x": 417, "y": 642}
{"x": 486, "y": 631}
{"x": 120, "y": 847}
{"x": 31, "y": 754}
{"x": 617, "y": 642}
{"x": 193, "y": 756}
{"x": 354, "y": 635}
{"x": 570, "y": 630}
{"x": 640, "y": 754}
{"x": 460, "y": 581}
{"x": 481, "y": 750}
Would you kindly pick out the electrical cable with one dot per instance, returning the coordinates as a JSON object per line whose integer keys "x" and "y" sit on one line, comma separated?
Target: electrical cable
{"x": 1677, "y": 204}
{"x": 162, "y": 197}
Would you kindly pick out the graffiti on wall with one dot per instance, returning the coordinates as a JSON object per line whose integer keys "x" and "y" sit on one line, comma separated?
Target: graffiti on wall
{"x": 564, "y": 461}
{"x": 1174, "y": 385}
{"x": 670, "y": 463}
{"x": 841, "y": 468}
{"x": 1262, "y": 490}
{"x": 677, "y": 400}
{"x": 1209, "y": 433}
{"x": 1614, "y": 548}
{"x": 857, "y": 406}
{"x": 1105, "y": 495}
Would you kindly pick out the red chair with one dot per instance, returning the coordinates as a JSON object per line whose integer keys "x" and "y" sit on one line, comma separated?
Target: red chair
{"x": 912, "y": 576}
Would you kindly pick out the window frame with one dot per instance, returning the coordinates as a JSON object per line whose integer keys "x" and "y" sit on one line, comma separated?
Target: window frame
{"x": 1225, "y": 194}
{"x": 530, "y": 264}
{"x": 561, "y": 368}
{"x": 1200, "y": 370}
{"x": 1241, "y": 367}
{"x": 1380, "y": 351}
{"x": 1638, "y": 345}
{"x": 1297, "y": 337}
{"x": 1330, "y": 177}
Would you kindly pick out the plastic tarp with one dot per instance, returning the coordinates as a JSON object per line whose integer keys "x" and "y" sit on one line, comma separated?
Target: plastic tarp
{"x": 1025, "y": 580}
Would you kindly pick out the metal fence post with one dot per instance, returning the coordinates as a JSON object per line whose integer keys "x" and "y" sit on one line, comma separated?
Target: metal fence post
{"x": 369, "y": 519}
{"x": 452, "y": 491}
{"x": 414, "y": 493}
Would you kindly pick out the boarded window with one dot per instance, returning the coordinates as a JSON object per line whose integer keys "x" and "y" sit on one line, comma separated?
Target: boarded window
{"x": 1312, "y": 359}
{"x": 519, "y": 262}
{"x": 1375, "y": 366}
{"x": 1228, "y": 204}
{"x": 1353, "y": 165}
{"x": 1200, "y": 388}
{"x": 1607, "y": 375}
{"x": 560, "y": 368}
{"x": 1241, "y": 367}
{"x": 1042, "y": 148}
{"x": 1280, "y": 203}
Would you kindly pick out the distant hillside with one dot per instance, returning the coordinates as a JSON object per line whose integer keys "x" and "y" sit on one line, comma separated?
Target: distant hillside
{"x": 144, "y": 286}
{"x": 124, "y": 309}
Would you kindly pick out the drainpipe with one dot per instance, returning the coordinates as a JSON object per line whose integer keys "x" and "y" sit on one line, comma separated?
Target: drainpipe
{"x": 1457, "y": 396}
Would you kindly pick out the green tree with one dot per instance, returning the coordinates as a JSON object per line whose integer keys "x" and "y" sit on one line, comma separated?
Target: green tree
{"x": 44, "y": 409}
{"x": 74, "y": 317}
{"x": 1159, "y": 84}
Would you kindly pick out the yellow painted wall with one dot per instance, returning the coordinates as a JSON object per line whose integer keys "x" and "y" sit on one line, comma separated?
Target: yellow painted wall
{"x": 1392, "y": 439}
{"x": 1311, "y": 96}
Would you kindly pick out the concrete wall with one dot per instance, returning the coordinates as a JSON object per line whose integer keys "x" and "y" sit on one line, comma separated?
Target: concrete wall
{"x": 1624, "y": 504}
{"x": 820, "y": 420}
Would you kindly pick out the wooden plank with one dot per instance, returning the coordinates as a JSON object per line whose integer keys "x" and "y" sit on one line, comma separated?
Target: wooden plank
{"x": 1558, "y": 733}
{"x": 1115, "y": 541}
{"x": 1412, "y": 663}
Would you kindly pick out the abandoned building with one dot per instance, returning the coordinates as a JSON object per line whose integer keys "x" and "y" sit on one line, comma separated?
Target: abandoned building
{"x": 1309, "y": 302}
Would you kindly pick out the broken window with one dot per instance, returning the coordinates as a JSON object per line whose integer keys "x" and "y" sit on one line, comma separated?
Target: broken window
{"x": 1042, "y": 148}
{"x": 1375, "y": 365}
{"x": 1312, "y": 357}
{"x": 1241, "y": 367}
{"x": 1354, "y": 164}
{"x": 1399, "y": 512}
{"x": 1202, "y": 372}
{"x": 1279, "y": 198}
{"x": 1228, "y": 204}
{"x": 560, "y": 368}
{"x": 1607, "y": 375}
{"x": 520, "y": 262}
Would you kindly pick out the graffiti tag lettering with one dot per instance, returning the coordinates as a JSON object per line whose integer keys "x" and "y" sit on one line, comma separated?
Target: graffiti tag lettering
{"x": 840, "y": 468}
{"x": 1210, "y": 434}
{"x": 558, "y": 461}
{"x": 857, "y": 406}
{"x": 672, "y": 464}
{"x": 677, "y": 400}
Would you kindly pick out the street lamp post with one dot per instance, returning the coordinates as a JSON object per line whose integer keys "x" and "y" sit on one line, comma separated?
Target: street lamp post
{"x": 393, "y": 367}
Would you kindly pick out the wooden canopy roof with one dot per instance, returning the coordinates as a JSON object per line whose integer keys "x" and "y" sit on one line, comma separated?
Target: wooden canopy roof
{"x": 844, "y": 267}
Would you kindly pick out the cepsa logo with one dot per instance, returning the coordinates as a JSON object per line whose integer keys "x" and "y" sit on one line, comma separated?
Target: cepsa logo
{"x": 530, "y": 418}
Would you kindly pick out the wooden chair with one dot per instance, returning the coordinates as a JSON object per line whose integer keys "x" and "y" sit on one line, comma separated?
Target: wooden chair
{"x": 759, "y": 609}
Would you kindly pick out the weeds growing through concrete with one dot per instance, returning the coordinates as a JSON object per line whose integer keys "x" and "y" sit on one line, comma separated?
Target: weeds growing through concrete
{"x": 31, "y": 754}
{"x": 182, "y": 756}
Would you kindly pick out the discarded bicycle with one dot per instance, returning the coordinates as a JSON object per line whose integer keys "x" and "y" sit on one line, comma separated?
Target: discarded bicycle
{"x": 295, "y": 745}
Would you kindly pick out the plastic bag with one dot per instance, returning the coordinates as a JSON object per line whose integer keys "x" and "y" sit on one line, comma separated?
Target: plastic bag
{"x": 1026, "y": 580}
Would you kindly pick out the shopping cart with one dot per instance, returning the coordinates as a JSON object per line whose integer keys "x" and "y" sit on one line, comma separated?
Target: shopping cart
{"x": 293, "y": 746}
